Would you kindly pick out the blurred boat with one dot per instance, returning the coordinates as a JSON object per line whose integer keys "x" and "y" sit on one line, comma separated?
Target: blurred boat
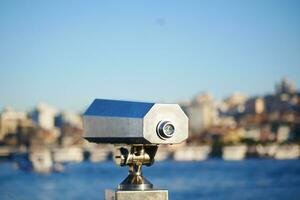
{"x": 5, "y": 152}
{"x": 290, "y": 151}
{"x": 99, "y": 154}
{"x": 237, "y": 152}
{"x": 58, "y": 167}
{"x": 22, "y": 161}
{"x": 67, "y": 154}
{"x": 268, "y": 150}
{"x": 41, "y": 160}
{"x": 192, "y": 153}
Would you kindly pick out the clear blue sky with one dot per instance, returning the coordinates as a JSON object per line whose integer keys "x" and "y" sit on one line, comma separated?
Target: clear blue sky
{"x": 69, "y": 52}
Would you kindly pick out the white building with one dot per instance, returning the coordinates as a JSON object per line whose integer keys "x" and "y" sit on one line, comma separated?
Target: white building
{"x": 283, "y": 133}
{"x": 202, "y": 112}
{"x": 44, "y": 116}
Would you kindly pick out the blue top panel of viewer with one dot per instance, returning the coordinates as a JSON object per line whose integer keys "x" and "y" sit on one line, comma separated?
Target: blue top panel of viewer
{"x": 116, "y": 108}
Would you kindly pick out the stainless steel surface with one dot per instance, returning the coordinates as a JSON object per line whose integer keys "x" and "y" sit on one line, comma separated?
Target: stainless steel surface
{"x": 112, "y": 127}
{"x": 165, "y": 112}
{"x": 136, "y": 195}
{"x": 110, "y": 121}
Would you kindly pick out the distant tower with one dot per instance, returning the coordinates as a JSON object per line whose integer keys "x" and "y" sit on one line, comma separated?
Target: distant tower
{"x": 44, "y": 116}
{"x": 285, "y": 87}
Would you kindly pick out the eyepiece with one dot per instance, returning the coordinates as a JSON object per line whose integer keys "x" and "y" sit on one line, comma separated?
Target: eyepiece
{"x": 165, "y": 129}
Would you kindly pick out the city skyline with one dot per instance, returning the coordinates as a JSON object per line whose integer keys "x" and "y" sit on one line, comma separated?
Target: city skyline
{"x": 287, "y": 83}
{"x": 68, "y": 54}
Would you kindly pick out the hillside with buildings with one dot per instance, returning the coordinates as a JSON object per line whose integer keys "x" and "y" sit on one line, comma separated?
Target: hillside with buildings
{"x": 236, "y": 127}
{"x": 238, "y": 118}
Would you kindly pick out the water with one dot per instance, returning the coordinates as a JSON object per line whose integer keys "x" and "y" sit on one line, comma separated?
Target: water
{"x": 208, "y": 180}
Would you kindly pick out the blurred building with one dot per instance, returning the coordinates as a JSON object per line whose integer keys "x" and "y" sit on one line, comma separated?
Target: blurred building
{"x": 68, "y": 118}
{"x": 44, "y": 116}
{"x": 226, "y": 121}
{"x": 283, "y": 133}
{"x": 266, "y": 133}
{"x": 44, "y": 137}
{"x": 202, "y": 113}
{"x": 252, "y": 132}
{"x": 233, "y": 136}
{"x": 255, "y": 105}
{"x": 285, "y": 98}
{"x": 234, "y": 104}
{"x": 71, "y": 128}
{"x": 10, "y": 121}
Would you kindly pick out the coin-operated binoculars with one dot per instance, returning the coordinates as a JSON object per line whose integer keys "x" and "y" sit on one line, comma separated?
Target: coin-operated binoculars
{"x": 136, "y": 129}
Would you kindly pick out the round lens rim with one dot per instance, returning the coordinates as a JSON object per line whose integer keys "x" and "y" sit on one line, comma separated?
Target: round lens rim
{"x": 161, "y": 130}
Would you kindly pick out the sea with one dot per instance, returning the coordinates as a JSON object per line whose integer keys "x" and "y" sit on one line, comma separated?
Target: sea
{"x": 214, "y": 179}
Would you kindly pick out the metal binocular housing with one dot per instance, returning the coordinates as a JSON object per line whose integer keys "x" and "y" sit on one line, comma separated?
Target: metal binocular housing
{"x": 136, "y": 129}
{"x": 125, "y": 122}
